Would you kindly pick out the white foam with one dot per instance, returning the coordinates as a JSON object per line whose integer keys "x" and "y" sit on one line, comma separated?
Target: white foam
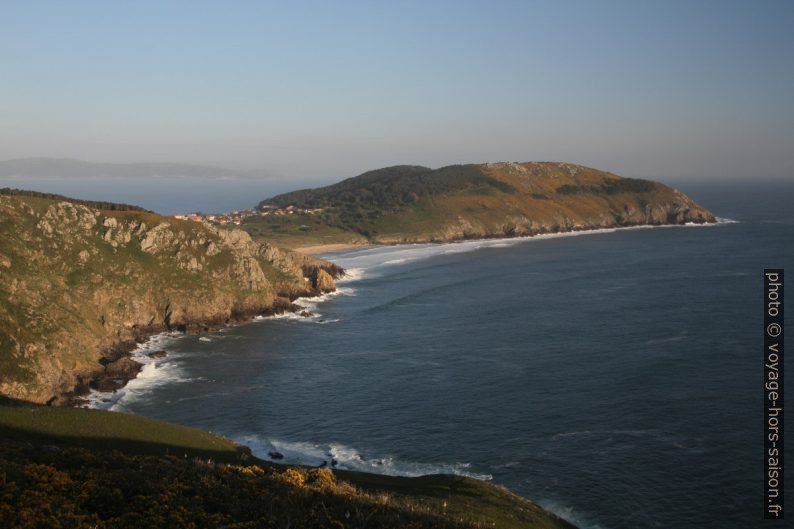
{"x": 348, "y": 458}
{"x": 351, "y": 274}
{"x": 155, "y": 372}
{"x": 309, "y": 304}
{"x": 361, "y": 263}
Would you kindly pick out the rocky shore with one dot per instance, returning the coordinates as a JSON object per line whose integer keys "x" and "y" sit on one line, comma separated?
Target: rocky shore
{"x": 81, "y": 287}
{"x": 117, "y": 366}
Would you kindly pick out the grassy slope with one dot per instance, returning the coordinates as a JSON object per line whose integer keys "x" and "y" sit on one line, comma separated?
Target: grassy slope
{"x": 413, "y": 204}
{"x": 296, "y": 231}
{"x": 99, "y": 429}
{"x": 167, "y": 487}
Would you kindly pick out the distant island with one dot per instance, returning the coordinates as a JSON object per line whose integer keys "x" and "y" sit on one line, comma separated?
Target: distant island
{"x": 410, "y": 204}
{"x": 43, "y": 167}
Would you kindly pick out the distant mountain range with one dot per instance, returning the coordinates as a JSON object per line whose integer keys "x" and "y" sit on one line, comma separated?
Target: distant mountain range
{"x": 71, "y": 168}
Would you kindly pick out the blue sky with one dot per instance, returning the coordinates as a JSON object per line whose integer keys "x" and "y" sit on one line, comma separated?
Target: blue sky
{"x": 691, "y": 89}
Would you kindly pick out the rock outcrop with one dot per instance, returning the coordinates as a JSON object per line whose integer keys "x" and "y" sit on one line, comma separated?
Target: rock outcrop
{"x": 79, "y": 284}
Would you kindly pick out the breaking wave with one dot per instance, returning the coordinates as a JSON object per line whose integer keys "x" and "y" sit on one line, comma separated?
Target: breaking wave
{"x": 155, "y": 372}
{"x": 361, "y": 263}
{"x": 348, "y": 458}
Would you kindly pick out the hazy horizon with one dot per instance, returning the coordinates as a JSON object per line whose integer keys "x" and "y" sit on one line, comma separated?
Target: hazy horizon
{"x": 678, "y": 90}
{"x": 310, "y": 180}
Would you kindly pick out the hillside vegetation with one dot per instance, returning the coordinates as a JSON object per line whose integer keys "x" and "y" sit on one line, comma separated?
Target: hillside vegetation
{"x": 68, "y": 467}
{"x": 81, "y": 283}
{"x": 419, "y": 204}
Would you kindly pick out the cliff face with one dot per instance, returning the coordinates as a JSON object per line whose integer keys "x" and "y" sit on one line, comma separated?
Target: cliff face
{"x": 80, "y": 285}
{"x": 418, "y": 204}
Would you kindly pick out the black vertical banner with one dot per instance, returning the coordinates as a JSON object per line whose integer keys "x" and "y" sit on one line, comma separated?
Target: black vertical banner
{"x": 773, "y": 394}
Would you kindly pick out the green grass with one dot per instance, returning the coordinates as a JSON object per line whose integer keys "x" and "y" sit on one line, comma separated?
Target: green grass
{"x": 97, "y": 429}
{"x": 107, "y": 469}
{"x": 461, "y": 497}
{"x": 297, "y": 230}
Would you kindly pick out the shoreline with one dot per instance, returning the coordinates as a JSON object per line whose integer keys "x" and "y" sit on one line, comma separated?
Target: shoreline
{"x": 320, "y": 249}
{"x": 515, "y": 239}
{"x": 330, "y": 247}
{"x": 123, "y": 353}
{"x": 136, "y": 351}
{"x": 78, "y": 397}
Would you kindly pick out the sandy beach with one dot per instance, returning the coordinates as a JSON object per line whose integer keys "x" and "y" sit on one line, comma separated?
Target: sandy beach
{"x": 324, "y": 248}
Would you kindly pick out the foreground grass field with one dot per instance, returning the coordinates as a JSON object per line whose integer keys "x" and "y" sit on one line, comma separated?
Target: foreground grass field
{"x": 69, "y": 467}
{"x": 99, "y": 429}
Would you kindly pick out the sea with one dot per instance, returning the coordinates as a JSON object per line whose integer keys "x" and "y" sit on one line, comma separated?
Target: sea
{"x": 165, "y": 195}
{"x": 614, "y": 377}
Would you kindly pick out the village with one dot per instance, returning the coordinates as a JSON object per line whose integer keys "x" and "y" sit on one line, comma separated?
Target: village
{"x": 239, "y": 215}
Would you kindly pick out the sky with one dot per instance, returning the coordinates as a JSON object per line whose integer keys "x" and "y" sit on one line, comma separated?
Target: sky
{"x": 326, "y": 90}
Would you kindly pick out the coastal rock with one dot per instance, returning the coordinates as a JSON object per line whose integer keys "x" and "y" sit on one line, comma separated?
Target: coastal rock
{"x": 157, "y": 239}
{"x": 322, "y": 281}
{"x": 124, "y": 368}
{"x": 65, "y": 218}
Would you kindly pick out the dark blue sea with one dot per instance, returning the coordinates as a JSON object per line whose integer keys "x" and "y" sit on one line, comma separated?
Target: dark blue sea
{"x": 614, "y": 377}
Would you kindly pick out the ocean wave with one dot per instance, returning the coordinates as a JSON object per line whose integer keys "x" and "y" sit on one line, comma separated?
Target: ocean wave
{"x": 351, "y": 274}
{"x": 361, "y": 263}
{"x": 348, "y": 458}
{"x": 154, "y": 372}
{"x": 603, "y": 433}
{"x": 676, "y": 338}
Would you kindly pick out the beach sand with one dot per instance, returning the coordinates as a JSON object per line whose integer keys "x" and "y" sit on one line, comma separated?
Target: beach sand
{"x": 324, "y": 248}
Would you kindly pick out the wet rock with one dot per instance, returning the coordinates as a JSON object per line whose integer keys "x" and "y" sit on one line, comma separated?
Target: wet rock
{"x": 275, "y": 455}
{"x": 157, "y": 354}
{"x": 124, "y": 368}
{"x": 106, "y": 385}
{"x": 320, "y": 280}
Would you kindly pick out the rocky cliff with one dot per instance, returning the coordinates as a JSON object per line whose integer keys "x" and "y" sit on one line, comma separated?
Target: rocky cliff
{"x": 79, "y": 286}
